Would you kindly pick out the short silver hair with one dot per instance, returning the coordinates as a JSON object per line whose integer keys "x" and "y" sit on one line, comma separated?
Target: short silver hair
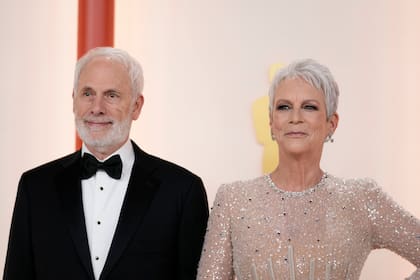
{"x": 317, "y": 75}
{"x": 133, "y": 67}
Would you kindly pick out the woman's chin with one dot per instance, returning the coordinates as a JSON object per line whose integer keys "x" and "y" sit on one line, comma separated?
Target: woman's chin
{"x": 296, "y": 149}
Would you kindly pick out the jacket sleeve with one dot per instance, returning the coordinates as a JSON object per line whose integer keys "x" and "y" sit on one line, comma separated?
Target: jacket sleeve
{"x": 192, "y": 229}
{"x": 19, "y": 259}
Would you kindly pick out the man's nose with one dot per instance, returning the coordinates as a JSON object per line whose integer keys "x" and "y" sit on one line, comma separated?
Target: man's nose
{"x": 98, "y": 105}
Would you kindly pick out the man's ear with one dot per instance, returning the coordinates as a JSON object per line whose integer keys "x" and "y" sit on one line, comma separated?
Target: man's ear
{"x": 138, "y": 104}
{"x": 72, "y": 97}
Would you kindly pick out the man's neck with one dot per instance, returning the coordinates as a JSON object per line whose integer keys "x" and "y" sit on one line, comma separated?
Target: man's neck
{"x": 102, "y": 153}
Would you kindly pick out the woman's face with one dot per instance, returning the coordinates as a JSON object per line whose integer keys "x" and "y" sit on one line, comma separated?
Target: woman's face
{"x": 299, "y": 118}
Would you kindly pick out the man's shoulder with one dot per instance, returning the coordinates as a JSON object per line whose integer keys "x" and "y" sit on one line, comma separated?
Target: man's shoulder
{"x": 169, "y": 168}
{"x": 159, "y": 166}
{"x": 54, "y": 165}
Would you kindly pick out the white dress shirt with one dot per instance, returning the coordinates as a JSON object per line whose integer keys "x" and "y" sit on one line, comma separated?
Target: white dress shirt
{"x": 103, "y": 197}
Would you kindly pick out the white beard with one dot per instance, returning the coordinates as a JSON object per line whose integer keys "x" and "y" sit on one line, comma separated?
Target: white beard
{"x": 118, "y": 134}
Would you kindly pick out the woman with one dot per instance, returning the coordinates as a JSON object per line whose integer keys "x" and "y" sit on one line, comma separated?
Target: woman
{"x": 300, "y": 222}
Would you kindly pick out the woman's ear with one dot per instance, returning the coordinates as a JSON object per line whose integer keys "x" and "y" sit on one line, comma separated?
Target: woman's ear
{"x": 333, "y": 121}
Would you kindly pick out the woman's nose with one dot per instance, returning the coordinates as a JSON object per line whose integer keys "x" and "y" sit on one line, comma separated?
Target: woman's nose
{"x": 296, "y": 116}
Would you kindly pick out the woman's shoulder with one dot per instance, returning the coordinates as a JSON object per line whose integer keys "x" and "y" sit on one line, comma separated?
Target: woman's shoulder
{"x": 364, "y": 185}
{"x": 243, "y": 187}
{"x": 357, "y": 182}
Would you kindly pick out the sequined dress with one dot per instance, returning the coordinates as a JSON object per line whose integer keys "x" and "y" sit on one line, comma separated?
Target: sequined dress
{"x": 257, "y": 231}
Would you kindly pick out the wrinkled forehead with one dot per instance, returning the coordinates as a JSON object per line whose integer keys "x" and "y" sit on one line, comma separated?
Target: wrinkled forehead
{"x": 103, "y": 72}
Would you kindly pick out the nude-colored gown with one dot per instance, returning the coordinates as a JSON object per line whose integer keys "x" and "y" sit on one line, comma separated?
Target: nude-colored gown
{"x": 257, "y": 231}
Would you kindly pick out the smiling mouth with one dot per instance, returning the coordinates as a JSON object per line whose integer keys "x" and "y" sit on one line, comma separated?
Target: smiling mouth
{"x": 97, "y": 125}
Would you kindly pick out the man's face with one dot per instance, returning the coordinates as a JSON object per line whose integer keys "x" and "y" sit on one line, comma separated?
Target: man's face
{"x": 103, "y": 105}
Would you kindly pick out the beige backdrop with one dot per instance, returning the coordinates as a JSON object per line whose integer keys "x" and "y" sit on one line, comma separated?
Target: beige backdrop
{"x": 205, "y": 63}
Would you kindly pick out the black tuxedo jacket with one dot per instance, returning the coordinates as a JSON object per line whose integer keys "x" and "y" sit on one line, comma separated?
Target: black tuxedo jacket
{"x": 159, "y": 233}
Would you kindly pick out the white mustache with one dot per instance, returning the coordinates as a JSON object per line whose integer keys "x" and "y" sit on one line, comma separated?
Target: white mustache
{"x": 98, "y": 120}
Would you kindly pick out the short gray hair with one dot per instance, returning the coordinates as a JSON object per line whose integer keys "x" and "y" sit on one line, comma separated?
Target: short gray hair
{"x": 317, "y": 75}
{"x": 133, "y": 67}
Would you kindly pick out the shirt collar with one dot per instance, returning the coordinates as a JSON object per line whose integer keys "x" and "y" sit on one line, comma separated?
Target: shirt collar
{"x": 126, "y": 153}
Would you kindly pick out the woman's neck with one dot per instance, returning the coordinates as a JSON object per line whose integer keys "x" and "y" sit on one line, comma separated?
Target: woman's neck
{"x": 296, "y": 174}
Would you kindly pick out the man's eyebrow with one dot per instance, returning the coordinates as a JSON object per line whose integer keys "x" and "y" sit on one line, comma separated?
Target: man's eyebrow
{"x": 86, "y": 88}
{"x": 112, "y": 91}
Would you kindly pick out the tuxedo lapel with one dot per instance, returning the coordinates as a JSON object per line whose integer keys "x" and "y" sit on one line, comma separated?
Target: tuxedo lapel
{"x": 69, "y": 191}
{"x": 140, "y": 192}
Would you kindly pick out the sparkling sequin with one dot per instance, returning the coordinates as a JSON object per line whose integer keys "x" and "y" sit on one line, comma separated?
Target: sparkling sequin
{"x": 325, "y": 232}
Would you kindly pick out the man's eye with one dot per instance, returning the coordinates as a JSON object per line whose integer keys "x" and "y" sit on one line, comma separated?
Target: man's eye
{"x": 283, "y": 107}
{"x": 87, "y": 93}
{"x": 112, "y": 95}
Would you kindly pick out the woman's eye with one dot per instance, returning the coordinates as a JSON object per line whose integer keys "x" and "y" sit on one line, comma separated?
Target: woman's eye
{"x": 310, "y": 107}
{"x": 283, "y": 107}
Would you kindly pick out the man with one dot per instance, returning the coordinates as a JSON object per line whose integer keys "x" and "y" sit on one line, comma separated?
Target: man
{"x": 109, "y": 211}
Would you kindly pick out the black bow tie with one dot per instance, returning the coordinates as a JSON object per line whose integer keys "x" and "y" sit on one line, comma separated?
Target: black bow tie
{"x": 90, "y": 165}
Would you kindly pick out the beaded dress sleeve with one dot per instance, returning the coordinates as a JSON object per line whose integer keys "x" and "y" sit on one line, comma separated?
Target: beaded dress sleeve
{"x": 393, "y": 228}
{"x": 216, "y": 257}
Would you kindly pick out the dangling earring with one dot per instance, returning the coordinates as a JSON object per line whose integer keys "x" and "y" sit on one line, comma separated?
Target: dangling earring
{"x": 273, "y": 137}
{"x": 329, "y": 139}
